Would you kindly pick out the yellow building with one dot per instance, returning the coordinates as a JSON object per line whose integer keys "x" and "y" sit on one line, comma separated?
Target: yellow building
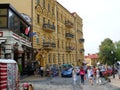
{"x": 91, "y": 59}
{"x": 58, "y": 35}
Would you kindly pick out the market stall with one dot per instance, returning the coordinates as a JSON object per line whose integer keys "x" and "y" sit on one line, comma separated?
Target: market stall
{"x": 8, "y": 74}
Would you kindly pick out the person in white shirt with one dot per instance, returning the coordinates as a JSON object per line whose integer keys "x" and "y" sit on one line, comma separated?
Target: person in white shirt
{"x": 74, "y": 75}
{"x": 118, "y": 69}
{"x": 98, "y": 78}
{"x": 90, "y": 75}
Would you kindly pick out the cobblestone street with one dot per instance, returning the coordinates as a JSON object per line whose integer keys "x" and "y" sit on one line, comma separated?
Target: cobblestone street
{"x": 58, "y": 83}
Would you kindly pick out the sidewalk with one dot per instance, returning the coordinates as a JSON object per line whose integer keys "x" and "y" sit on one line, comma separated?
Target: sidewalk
{"x": 115, "y": 81}
{"x": 33, "y": 78}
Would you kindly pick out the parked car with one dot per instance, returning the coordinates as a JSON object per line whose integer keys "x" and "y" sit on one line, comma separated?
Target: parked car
{"x": 66, "y": 72}
{"x": 107, "y": 72}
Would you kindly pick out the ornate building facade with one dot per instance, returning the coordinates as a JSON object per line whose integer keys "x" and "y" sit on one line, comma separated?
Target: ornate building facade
{"x": 57, "y": 36}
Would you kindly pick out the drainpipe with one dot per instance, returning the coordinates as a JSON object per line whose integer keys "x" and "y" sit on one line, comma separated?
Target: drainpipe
{"x": 32, "y": 29}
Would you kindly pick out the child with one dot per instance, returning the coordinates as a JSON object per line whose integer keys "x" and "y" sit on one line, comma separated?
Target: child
{"x": 25, "y": 86}
{"x": 30, "y": 87}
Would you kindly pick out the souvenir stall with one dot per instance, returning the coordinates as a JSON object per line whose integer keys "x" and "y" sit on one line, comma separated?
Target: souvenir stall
{"x": 8, "y": 74}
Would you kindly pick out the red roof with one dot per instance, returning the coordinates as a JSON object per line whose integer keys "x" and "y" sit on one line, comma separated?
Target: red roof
{"x": 92, "y": 56}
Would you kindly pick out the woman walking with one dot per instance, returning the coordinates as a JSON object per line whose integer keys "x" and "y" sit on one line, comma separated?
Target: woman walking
{"x": 82, "y": 73}
{"x": 74, "y": 75}
{"x": 90, "y": 75}
{"x": 98, "y": 76}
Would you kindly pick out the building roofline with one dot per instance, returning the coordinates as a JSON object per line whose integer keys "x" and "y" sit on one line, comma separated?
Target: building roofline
{"x": 65, "y": 8}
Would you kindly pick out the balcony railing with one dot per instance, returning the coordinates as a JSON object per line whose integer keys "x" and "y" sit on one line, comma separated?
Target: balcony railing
{"x": 69, "y": 35}
{"x": 49, "y": 45}
{"x": 82, "y": 50}
{"x": 81, "y": 40}
{"x": 68, "y": 24}
{"x": 48, "y": 28}
{"x": 69, "y": 48}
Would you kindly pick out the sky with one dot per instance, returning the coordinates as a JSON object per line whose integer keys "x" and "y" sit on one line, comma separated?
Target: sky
{"x": 101, "y": 20}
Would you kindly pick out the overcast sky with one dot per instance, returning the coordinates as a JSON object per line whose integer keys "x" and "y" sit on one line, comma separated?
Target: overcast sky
{"x": 101, "y": 19}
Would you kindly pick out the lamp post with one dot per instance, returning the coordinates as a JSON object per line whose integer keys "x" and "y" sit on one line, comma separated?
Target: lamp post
{"x": 113, "y": 68}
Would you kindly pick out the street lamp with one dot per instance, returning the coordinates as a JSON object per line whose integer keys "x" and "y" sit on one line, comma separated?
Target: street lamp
{"x": 113, "y": 64}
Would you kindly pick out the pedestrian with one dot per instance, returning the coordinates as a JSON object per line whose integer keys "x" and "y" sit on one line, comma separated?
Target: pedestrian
{"x": 98, "y": 76}
{"x": 25, "y": 86}
{"x": 74, "y": 75}
{"x": 31, "y": 87}
{"x": 41, "y": 71}
{"x": 118, "y": 69}
{"x": 82, "y": 75}
{"x": 94, "y": 72}
{"x": 113, "y": 69}
{"x": 90, "y": 75}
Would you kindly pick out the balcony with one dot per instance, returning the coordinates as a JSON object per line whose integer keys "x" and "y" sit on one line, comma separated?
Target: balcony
{"x": 49, "y": 45}
{"x": 69, "y": 48}
{"x": 69, "y": 35}
{"x": 68, "y": 24}
{"x": 81, "y": 40}
{"x": 82, "y": 50}
{"x": 48, "y": 28}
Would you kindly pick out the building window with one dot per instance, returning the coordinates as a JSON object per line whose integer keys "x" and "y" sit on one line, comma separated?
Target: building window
{"x": 63, "y": 58}
{"x": 58, "y": 44}
{"x": 52, "y": 11}
{"x": 43, "y": 3}
{"x": 58, "y": 58}
{"x": 3, "y": 18}
{"x": 57, "y": 15}
{"x": 48, "y": 7}
{"x": 37, "y": 39}
{"x": 53, "y": 23}
{"x": 48, "y": 21}
{"x": 67, "y": 58}
{"x": 62, "y": 44}
{"x": 43, "y": 39}
{"x": 61, "y": 17}
{"x": 53, "y": 58}
{"x": 43, "y": 20}
{"x": 37, "y": 2}
{"x": 38, "y": 18}
{"x": 48, "y": 58}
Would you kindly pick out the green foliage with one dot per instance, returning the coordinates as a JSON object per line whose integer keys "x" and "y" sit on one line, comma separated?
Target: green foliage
{"x": 20, "y": 68}
{"x": 107, "y": 52}
{"x": 117, "y": 47}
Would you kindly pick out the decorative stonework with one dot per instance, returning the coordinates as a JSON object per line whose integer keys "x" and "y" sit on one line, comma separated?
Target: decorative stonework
{"x": 38, "y": 9}
{"x": 45, "y": 12}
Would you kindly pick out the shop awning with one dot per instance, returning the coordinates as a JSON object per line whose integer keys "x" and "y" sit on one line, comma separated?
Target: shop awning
{"x": 2, "y": 41}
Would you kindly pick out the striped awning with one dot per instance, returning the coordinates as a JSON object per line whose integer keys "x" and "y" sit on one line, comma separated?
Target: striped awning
{"x": 3, "y": 76}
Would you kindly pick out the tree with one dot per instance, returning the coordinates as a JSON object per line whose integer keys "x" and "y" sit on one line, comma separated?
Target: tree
{"x": 107, "y": 52}
{"x": 117, "y": 47}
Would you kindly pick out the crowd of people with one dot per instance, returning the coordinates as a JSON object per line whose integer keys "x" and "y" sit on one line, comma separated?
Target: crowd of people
{"x": 90, "y": 73}
{"x": 95, "y": 73}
